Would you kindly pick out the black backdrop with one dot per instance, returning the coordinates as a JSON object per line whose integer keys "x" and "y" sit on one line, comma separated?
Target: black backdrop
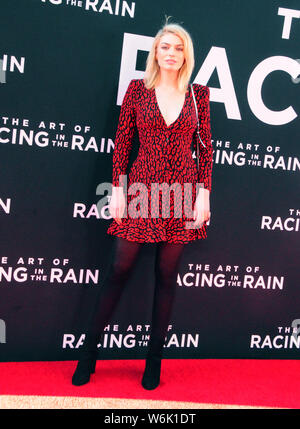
{"x": 64, "y": 67}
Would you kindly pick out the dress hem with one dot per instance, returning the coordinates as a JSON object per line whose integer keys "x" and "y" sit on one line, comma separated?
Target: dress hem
{"x": 122, "y": 235}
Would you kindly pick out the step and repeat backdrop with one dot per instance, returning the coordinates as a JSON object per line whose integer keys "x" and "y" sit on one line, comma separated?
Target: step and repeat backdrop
{"x": 64, "y": 68}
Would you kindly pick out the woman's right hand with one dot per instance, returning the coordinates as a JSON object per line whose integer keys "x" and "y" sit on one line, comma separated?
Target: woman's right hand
{"x": 117, "y": 203}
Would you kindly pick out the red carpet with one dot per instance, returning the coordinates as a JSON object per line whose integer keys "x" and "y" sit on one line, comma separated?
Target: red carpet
{"x": 267, "y": 383}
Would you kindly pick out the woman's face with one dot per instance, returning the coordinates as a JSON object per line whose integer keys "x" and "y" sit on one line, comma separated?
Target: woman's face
{"x": 169, "y": 52}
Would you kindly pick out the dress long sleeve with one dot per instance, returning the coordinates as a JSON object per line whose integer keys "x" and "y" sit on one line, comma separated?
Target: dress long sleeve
{"x": 205, "y": 154}
{"x": 124, "y": 135}
{"x": 164, "y": 157}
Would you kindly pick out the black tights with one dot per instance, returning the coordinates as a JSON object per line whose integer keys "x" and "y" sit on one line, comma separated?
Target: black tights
{"x": 121, "y": 265}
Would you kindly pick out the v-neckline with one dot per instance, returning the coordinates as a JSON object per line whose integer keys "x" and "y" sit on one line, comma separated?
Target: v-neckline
{"x": 161, "y": 115}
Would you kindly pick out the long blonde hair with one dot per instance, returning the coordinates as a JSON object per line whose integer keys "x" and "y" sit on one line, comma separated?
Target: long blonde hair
{"x": 152, "y": 71}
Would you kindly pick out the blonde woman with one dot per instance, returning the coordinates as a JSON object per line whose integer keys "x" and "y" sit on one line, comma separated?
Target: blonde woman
{"x": 162, "y": 108}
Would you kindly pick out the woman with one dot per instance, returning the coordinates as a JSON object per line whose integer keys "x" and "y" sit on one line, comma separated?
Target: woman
{"x": 162, "y": 107}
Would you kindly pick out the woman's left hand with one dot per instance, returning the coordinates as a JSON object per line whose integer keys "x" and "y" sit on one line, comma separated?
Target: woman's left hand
{"x": 202, "y": 208}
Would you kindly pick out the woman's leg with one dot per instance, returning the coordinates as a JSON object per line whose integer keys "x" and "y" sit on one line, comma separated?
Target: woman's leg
{"x": 122, "y": 260}
{"x": 122, "y": 263}
{"x": 167, "y": 260}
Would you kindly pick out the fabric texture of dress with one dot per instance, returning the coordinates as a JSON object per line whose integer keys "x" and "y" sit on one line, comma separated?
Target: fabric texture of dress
{"x": 164, "y": 162}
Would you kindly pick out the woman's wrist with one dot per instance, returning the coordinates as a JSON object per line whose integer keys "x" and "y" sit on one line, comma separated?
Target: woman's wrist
{"x": 203, "y": 193}
{"x": 116, "y": 190}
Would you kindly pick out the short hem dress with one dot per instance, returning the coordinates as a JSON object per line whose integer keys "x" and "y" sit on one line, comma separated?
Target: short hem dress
{"x": 154, "y": 238}
{"x": 165, "y": 156}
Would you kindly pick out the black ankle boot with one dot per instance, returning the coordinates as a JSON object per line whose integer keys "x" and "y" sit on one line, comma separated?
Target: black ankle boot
{"x": 84, "y": 369}
{"x": 151, "y": 377}
{"x": 87, "y": 362}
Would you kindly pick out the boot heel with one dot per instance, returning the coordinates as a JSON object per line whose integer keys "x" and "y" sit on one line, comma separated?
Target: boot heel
{"x": 93, "y": 366}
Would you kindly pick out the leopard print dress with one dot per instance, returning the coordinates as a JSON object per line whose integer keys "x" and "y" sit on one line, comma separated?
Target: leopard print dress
{"x": 160, "y": 190}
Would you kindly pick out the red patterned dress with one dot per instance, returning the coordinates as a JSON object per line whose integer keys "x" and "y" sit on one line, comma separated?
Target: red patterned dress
{"x": 164, "y": 160}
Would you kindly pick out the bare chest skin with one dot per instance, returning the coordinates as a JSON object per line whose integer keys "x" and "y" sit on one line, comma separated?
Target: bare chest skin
{"x": 170, "y": 104}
